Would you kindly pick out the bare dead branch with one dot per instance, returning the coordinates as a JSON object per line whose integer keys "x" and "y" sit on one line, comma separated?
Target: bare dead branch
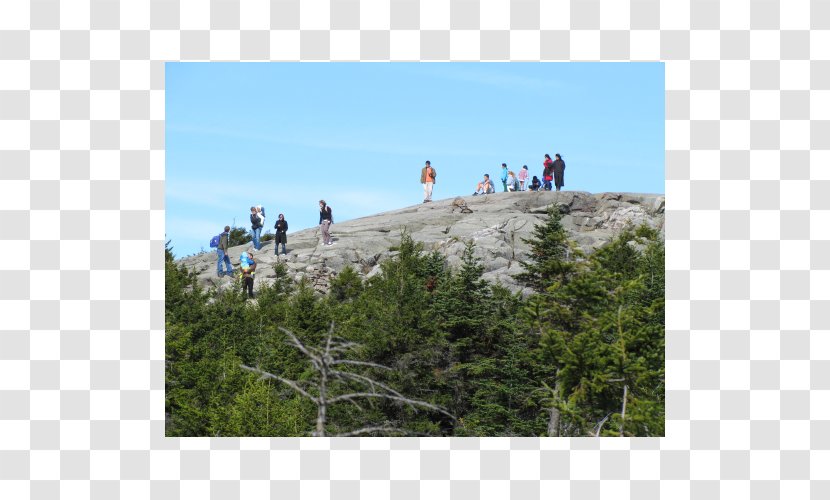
{"x": 411, "y": 402}
{"x": 366, "y": 430}
{"x": 297, "y": 342}
{"x": 322, "y": 359}
{"x": 289, "y": 383}
{"x": 343, "y": 344}
{"x": 598, "y": 427}
{"x": 359, "y": 363}
{"x": 356, "y": 405}
{"x": 328, "y": 339}
{"x": 372, "y": 383}
{"x": 341, "y": 348}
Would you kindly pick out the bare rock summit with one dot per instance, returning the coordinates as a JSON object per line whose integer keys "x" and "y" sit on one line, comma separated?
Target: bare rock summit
{"x": 496, "y": 223}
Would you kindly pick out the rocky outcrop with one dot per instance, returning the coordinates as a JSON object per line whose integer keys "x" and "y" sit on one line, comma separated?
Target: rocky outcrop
{"x": 497, "y": 223}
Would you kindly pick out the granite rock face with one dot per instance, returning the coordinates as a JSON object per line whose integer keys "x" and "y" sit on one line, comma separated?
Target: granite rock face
{"x": 497, "y": 223}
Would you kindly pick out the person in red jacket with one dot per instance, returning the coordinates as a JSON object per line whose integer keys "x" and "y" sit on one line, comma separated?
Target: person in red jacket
{"x": 547, "y": 173}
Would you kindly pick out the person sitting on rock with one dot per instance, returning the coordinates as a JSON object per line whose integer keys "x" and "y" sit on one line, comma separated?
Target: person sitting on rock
{"x": 282, "y": 234}
{"x": 512, "y": 182}
{"x": 535, "y": 184}
{"x": 485, "y": 186}
{"x": 248, "y": 265}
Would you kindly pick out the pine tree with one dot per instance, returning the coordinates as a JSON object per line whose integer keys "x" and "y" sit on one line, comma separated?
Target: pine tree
{"x": 280, "y": 287}
{"x": 602, "y": 332}
{"x": 183, "y": 295}
{"x": 239, "y": 236}
{"x": 168, "y": 251}
{"x": 462, "y": 303}
{"x": 502, "y": 375}
{"x": 564, "y": 361}
{"x": 337, "y": 379}
{"x": 395, "y": 321}
{"x": 346, "y": 286}
{"x": 261, "y": 409}
{"x": 551, "y": 254}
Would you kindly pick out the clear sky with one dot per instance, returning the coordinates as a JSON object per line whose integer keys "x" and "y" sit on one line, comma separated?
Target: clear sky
{"x": 285, "y": 135}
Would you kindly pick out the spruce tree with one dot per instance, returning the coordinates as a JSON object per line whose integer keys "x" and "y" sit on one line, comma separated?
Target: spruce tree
{"x": 602, "y": 332}
{"x": 238, "y": 236}
{"x": 346, "y": 286}
{"x": 595, "y": 341}
{"x": 551, "y": 254}
{"x": 462, "y": 303}
{"x": 463, "y": 312}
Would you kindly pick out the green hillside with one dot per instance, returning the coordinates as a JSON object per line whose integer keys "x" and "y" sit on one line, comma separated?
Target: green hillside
{"x": 421, "y": 350}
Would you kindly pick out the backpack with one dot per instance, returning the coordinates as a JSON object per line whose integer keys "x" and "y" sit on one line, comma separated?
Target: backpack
{"x": 214, "y": 242}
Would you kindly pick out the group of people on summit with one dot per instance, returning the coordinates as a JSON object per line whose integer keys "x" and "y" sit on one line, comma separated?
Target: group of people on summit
{"x": 258, "y": 222}
{"x": 247, "y": 264}
{"x": 281, "y": 228}
{"x": 553, "y": 175}
{"x": 553, "y": 172}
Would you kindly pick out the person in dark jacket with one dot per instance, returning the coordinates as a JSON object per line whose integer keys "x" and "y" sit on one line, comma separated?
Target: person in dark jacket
{"x": 256, "y": 227}
{"x": 558, "y": 172}
{"x": 282, "y": 234}
{"x": 326, "y": 221}
{"x": 222, "y": 254}
{"x": 547, "y": 173}
{"x": 535, "y": 184}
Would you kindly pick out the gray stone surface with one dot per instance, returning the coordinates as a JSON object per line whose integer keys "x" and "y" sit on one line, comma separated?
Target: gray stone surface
{"x": 496, "y": 223}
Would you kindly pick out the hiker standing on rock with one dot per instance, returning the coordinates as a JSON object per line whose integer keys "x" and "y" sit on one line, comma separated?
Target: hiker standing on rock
{"x": 547, "y": 173}
{"x": 282, "y": 234}
{"x": 428, "y": 179}
{"x": 325, "y": 222}
{"x": 504, "y": 176}
{"x": 559, "y": 172}
{"x": 256, "y": 226}
{"x": 222, "y": 254}
{"x": 248, "y": 265}
{"x": 523, "y": 178}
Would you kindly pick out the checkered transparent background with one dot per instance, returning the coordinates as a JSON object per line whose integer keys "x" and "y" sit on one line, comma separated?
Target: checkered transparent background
{"x": 82, "y": 230}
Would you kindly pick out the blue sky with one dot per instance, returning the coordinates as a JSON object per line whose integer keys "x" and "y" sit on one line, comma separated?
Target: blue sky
{"x": 285, "y": 135}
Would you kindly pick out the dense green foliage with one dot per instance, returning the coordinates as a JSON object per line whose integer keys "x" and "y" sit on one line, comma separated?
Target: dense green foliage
{"x": 554, "y": 363}
{"x": 239, "y": 236}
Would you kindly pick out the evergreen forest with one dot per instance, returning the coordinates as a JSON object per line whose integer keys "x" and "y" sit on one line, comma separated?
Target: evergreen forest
{"x": 422, "y": 350}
